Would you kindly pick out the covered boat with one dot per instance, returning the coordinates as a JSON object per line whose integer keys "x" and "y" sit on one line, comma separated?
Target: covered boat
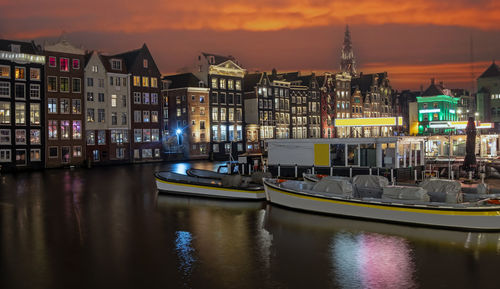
{"x": 369, "y": 197}
{"x": 229, "y": 187}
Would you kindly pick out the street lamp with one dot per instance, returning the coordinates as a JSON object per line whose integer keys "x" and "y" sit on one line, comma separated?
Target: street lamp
{"x": 178, "y": 133}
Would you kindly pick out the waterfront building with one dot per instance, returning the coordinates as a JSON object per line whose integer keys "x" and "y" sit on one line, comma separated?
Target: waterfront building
{"x": 266, "y": 107}
{"x": 436, "y": 107}
{"x": 488, "y": 94}
{"x": 466, "y": 106}
{"x": 225, "y": 79}
{"x": 327, "y": 101}
{"x": 376, "y": 94}
{"x": 343, "y": 105}
{"x": 189, "y": 118}
{"x": 145, "y": 104}
{"x": 65, "y": 119}
{"x": 107, "y": 106}
{"x": 401, "y": 104}
{"x": 22, "y": 99}
{"x": 282, "y": 107}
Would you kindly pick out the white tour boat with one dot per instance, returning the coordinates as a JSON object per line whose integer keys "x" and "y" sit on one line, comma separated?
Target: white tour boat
{"x": 229, "y": 187}
{"x": 437, "y": 203}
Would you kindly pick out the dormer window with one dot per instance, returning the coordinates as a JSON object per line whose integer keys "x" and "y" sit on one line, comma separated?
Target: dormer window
{"x": 145, "y": 63}
{"x": 116, "y": 64}
{"x": 15, "y": 48}
{"x": 211, "y": 59}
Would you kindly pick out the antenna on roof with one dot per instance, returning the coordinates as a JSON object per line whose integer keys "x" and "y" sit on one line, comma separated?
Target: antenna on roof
{"x": 472, "y": 77}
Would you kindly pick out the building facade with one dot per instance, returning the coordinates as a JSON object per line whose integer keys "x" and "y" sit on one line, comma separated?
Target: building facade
{"x": 225, "y": 79}
{"x": 145, "y": 104}
{"x": 107, "y": 105}
{"x": 488, "y": 94}
{"x": 22, "y": 99}
{"x": 436, "y": 107}
{"x": 189, "y": 118}
{"x": 65, "y": 119}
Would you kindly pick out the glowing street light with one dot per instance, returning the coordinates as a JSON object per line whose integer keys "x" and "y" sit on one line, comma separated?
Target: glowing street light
{"x": 178, "y": 131}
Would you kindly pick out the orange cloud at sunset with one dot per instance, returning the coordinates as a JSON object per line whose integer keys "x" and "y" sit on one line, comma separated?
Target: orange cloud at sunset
{"x": 47, "y": 18}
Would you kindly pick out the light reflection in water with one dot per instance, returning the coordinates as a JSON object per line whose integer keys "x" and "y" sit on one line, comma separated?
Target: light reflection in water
{"x": 180, "y": 168}
{"x": 185, "y": 251}
{"x": 371, "y": 260}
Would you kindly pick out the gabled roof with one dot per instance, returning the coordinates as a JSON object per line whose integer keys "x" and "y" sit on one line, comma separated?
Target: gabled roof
{"x": 492, "y": 71}
{"x": 106, "y": 61}
{"x": 251, "y": 80}
{"x": 434, "y": 89}
{"x": 363, "y": 82}
{"x": 183, "y": 80}
{"x": 130, "y": 56}
{"x": 218, "y": 59}
{"x": 26, "y": 47}
{"x": 290, "y": 76}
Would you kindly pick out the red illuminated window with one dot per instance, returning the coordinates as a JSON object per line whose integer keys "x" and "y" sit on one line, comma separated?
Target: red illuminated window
{"x": 64, "y": 64}
{"x": 76, "y": 63}
{"x": 52, "y": 61}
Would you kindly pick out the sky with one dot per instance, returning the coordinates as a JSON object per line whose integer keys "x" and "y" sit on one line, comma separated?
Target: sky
{"x": 413, "y": 41}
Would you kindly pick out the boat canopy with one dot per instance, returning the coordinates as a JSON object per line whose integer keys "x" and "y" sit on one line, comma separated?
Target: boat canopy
{"x": 405, "y": 193}
{"x": 334, "y": 186}
{"x": 440, "y": 190}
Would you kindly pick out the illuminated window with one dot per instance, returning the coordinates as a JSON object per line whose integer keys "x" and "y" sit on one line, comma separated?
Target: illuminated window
{"x": 77, "y": 129}
{"x": 230, "y": 84}
{"x": 146, "y": 135}
{"x": 52, "y": 105}
{"x": 52, "y": 129}
{"x": 214, "y": 83}
{"x": 20, "y": 113}
{"x": 137, "y": 81}
{"x": 154, "y": 116}
{"x": 90, "y": 115}
{"x": 77, "y": 151}
{"x": 145, "y": 63}
{"x": 34, "y": 74}
{"x": 52, "y": 61}
{"x": 20, "y": 136}
{"x": 76, "y": 63}
{"x": 238, "y": 84}
{"x": 113, "y": 100}
{"x": 35, "y": 137}
{"x": 90, "y": 137}
{"x": 64, "y": 106}
{"x": 101, "y": 137}
{"x": 20, "y": 73}
{"x": 4, "y": 71}
{"x": 145, "y": 116}
{"x": 35, "y": 114}
{"x": 65, "y": 130}
{"x": 76, "y": 106}
{"x": 64, "y": 84}
{"x": 145, "y": 81}
{"x": 64, "y": 64}
{"x": 154, "y": 82}
{"x": 222, "y": 83}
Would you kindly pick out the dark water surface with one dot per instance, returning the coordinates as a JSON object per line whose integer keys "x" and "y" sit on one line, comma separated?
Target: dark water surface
{"x": 108, "y": 228}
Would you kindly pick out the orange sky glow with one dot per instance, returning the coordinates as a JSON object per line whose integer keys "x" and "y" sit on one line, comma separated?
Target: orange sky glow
{"x": 286, "y": 34}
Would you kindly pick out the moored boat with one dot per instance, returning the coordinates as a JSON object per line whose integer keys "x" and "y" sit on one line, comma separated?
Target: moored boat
{"x": 232, "y": 187}
{"x": 207, "y": 174}
{"x": 370, "y": 197}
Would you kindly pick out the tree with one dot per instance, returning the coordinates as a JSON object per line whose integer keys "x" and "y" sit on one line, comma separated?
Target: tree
{"x": 470, "y": 146}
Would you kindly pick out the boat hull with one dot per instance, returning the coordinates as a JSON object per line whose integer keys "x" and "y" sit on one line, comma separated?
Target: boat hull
{"x": 170, "y": 187}
{"x": 478, "y": 220}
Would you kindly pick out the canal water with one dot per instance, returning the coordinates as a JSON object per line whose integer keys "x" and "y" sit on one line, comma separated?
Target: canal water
{"x": 108, "y": 228}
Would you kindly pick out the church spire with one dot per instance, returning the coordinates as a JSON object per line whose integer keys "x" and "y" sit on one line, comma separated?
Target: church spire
{"x": 347, "y": 60}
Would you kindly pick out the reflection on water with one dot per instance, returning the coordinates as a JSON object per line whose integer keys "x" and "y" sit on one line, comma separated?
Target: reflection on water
{"x": 184, "y": 251}
{"x": 369, "y": 260}
{"x": 108, "y": 228}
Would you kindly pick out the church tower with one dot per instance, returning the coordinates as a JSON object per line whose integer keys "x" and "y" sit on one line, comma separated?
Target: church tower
{"x": 347, "y": 60}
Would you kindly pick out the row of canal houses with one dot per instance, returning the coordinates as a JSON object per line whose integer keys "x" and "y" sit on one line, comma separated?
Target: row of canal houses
{"x": 61, "y": 105}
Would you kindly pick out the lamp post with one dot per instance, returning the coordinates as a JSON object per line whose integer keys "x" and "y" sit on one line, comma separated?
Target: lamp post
{"x": 178, "y": 133}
